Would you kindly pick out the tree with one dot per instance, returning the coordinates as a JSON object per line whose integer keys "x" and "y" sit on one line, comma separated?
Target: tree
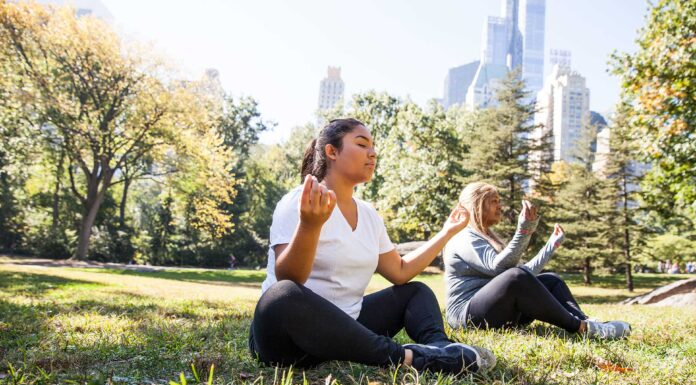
{"x": 671, "y": 247}
{"x": 624, "y": 173}
{"x": 501, "y": 144}
{"x": 658, "y": 85}
{"x": 421, "y": 163}
{"x": 585, "y": 205}
{"x": 379, "y": 112}
{"x": 240, "y": 125}
{"x": 105, "y": 105}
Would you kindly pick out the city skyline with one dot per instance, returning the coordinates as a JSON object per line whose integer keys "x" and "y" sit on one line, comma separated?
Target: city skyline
{"x": 277, "y": 52}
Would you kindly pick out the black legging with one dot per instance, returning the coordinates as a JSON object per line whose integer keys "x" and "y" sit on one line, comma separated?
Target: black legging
{"x": 292, "y": 325}
{"x": 517, "y": 297}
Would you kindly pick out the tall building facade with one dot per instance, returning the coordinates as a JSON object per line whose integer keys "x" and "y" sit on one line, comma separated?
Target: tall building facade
{"x": 560, "y": 57}
{"x": 510, "y": 9}
{"x": 494, "y": 41}
{"x": 532, "y": 20}
{"x": 457, "y": 84}
{"x": 481, "y": 92}
{"x": 514, "y": 41}
{"x": 331, "y": 88}
{"x": 563, "y": 106}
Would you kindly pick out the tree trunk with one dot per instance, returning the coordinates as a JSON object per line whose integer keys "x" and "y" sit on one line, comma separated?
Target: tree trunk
{"x": 122, "y": 206}
{"x": 56, "y": 196}
{"x": 587, "y": 272}
{"x": 627, "y": 237}
{"x": 95, "y": 197}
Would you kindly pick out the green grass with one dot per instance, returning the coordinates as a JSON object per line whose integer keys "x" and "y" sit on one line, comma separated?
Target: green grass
{"x": 68, "y": 325}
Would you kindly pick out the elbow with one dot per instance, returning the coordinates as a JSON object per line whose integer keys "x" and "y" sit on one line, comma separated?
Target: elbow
{"x": 287, "y": 274}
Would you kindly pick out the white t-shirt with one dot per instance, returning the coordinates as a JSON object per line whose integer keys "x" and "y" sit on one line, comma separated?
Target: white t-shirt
{"x": 345, "y": 259}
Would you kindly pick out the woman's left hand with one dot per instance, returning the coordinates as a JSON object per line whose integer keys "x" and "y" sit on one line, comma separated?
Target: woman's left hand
{"x": 457, "y": 221}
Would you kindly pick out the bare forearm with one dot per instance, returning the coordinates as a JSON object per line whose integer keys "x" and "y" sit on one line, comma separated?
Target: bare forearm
{"x": 296, "y": 260}
{"x": 416, "y": 261}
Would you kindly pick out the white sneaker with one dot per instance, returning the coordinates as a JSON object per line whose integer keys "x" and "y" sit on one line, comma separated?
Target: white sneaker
{"x": 608, "y": 330}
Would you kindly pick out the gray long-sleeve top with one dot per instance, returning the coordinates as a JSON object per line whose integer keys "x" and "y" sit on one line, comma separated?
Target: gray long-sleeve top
{"x": 471, "y": 262}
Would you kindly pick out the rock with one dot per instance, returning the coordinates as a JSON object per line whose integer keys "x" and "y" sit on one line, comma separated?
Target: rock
{"x": 680, "y": 293}
{"x": 684, "y": 300}
{"x": 407, "y": 247}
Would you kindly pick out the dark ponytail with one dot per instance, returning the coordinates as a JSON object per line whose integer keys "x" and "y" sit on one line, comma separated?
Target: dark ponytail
{"x": 314, "y": 161}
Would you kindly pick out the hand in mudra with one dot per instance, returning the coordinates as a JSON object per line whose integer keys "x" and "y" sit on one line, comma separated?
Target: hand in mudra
{"x": 529, "y": 210}
{"x": 457, "y": 220}
{"x": 316, "y": 203}
{"x": 557, "y": 236}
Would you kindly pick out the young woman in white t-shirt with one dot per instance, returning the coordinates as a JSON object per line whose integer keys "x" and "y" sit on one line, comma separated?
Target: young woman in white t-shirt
{"x": 325, "y": 246}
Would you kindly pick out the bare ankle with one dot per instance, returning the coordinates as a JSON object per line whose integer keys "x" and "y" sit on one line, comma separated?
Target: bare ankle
{"x": 583, "y": 327}
{"x": 408, "y": 357}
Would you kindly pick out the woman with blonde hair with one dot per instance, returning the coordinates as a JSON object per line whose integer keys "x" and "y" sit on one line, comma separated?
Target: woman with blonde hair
{"x": 486, "y": 285}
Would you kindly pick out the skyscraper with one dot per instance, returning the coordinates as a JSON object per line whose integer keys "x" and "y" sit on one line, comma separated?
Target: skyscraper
{"x": 514, "y": 41}
{"x": 482, "y": 90}
{"x": 457, "y": 83}
{"x": 532, "y": 17}
{"x": 330, "y": 88}
{"x": 510, "y": 12}
{"x": 563, "y": 107}
{"x": 561, "y": 57}
{"x": 494, "y": 42}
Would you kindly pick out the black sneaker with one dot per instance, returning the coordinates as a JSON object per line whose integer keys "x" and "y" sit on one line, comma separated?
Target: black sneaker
{"x": 453, "y": 358}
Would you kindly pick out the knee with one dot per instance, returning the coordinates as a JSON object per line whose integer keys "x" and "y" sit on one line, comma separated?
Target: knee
{"x": 279, "y": 294}
{"x": 551, "y": 277}
{"x": 518, "y": 276}
{"x": 420, "y": 288}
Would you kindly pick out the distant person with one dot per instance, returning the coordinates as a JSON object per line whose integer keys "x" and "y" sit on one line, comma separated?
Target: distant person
{"x": 675, "y": 268}
{"x": 325, "y": 245}
{"x": 661, "y": 266}
{"x": 486, "y": 286}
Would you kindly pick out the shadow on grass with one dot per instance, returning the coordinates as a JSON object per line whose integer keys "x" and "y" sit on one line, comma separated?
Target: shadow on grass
{"x": 138, "y": 338}
{"x": 603, "y": 299}
{"x": 37, "y": 284}
{"x": 249, "y": 278}
{"x": 618, "y": 281}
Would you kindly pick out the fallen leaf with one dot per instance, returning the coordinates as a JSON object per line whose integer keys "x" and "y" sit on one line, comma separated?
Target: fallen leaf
{"x": 610, "y": 367}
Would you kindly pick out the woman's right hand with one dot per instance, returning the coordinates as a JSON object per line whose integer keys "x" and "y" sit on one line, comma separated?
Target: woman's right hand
{"x": 316, "y": 203}
{"x": 529, "y": 210}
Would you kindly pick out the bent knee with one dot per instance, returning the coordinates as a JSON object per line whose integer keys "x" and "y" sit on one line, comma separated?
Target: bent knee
{"x": 279, "y": 293}
{"x": 517, "y": 276}
{"x": 550, "y": 277}
{"x": 418, "y": 285}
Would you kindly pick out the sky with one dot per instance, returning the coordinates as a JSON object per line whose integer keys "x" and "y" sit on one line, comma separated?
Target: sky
{"x": 278, "y": 51}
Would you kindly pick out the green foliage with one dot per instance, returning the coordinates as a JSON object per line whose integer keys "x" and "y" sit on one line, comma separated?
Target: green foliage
{"x": 501, "y": 143}
{"x": 421, "y": 167}
{"x": 658, "y": 84}
{"x": 665, "y": 247}
{"x": 624, "y": 173}
{"x": 585, "y": 206}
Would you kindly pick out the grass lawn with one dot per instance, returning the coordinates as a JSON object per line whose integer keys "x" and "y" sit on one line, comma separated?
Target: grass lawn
{"x": 94, "y": 326}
